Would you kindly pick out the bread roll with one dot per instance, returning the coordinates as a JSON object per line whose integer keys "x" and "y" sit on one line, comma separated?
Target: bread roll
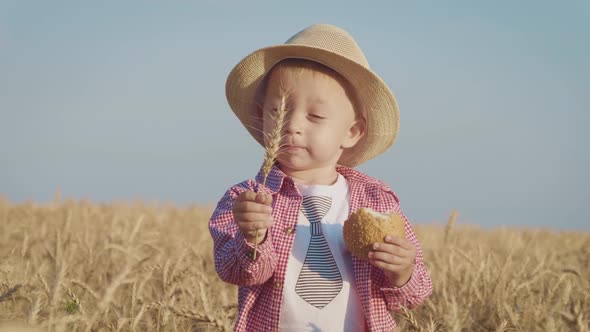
{"x": 365, "y": 227}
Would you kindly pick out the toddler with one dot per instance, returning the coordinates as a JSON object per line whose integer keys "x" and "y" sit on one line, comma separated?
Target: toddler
{"x": 339, "y": 115}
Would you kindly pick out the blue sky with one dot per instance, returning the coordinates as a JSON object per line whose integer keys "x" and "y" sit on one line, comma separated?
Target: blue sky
{"x": 125, "y": 100}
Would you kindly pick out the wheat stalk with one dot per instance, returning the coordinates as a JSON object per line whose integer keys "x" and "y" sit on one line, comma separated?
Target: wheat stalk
{"x": 409, "y": 317}
{"x": 449, "y": 225}
{"x": 75, "y": 299}
{"x": 34, "y": 312}
{"x": 86, "y": 287}
{"x": 138, "y": 317}
{"x": 197, "y": 316}
{"x": 9, "y": 292}
{"x": 272, "y": 149}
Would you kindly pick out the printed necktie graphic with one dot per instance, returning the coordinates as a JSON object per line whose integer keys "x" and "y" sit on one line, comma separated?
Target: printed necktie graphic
{"x": 320, "y": 280}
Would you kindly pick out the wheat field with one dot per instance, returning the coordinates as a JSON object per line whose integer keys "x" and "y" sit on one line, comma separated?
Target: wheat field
{"x": 133, "y": 266}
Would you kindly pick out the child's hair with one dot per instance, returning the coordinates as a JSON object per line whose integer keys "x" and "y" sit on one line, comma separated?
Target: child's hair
{"x": 301, "y": 66}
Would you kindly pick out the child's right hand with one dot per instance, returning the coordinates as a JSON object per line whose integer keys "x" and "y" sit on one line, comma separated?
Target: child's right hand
{"x": 252, "y": 211}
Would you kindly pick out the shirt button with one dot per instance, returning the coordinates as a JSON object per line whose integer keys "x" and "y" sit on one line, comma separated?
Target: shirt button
{"x": 289, "y": 230}
{"x": 277, "y": 284}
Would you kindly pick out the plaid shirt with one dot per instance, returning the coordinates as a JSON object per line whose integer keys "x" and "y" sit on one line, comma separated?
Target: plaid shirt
{"x": 260, "y": 281}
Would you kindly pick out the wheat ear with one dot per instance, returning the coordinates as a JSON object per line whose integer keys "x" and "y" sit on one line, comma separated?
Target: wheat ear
{"x": 272, "y": 148}
{"x": 450, "y": 225}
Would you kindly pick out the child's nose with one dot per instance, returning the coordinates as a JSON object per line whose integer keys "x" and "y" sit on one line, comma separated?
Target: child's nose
{"x": 294, "y": 122}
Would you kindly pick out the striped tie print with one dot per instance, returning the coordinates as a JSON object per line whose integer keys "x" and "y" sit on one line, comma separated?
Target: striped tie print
{"x": 319, "y": 281}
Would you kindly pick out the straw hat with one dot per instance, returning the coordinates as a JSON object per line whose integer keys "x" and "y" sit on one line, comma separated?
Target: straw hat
{"x": 335, "y": 48}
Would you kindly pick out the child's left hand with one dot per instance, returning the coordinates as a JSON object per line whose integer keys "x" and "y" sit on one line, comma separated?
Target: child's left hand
{"x": 395, "y": 257}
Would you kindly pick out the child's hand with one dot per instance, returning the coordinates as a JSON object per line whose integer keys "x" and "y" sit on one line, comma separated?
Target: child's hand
{"x": 252, "y": 211}
{"x": 395, "y": 257}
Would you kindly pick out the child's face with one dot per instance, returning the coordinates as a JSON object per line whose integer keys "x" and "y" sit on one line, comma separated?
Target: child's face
{"x": 320, "y": 121}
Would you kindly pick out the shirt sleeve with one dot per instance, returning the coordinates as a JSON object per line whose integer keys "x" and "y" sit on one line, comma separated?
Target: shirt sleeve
{"x": 419, "y": 287}
{"x": 233, "y": 255}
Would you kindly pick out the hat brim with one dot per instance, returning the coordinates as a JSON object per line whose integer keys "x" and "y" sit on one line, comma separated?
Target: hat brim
{"x": 380, "y": 106}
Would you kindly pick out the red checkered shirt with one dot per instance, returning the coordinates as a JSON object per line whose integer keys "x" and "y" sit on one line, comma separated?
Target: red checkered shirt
{"x": 260, "y": 281}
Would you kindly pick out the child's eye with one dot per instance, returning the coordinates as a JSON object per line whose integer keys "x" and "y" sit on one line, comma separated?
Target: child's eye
{"x": 317, "y": 116}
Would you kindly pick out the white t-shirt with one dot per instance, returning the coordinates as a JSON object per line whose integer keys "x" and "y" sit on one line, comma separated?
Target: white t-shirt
{"x": 320, "y": 292}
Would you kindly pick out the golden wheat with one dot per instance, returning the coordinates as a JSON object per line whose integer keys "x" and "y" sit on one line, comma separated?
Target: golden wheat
{"x": 272, "y": 148}
{"x": 162, "y": 276}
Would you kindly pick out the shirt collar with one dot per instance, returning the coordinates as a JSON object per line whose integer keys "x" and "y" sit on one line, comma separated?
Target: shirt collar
{"x": 276, "y": 179}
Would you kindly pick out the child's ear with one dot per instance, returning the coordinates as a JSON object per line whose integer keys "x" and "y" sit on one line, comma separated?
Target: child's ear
{"x": 355, "y": 133}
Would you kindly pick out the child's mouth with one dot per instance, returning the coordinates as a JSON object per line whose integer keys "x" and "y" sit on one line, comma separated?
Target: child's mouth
{"x": 292, "y": 148}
